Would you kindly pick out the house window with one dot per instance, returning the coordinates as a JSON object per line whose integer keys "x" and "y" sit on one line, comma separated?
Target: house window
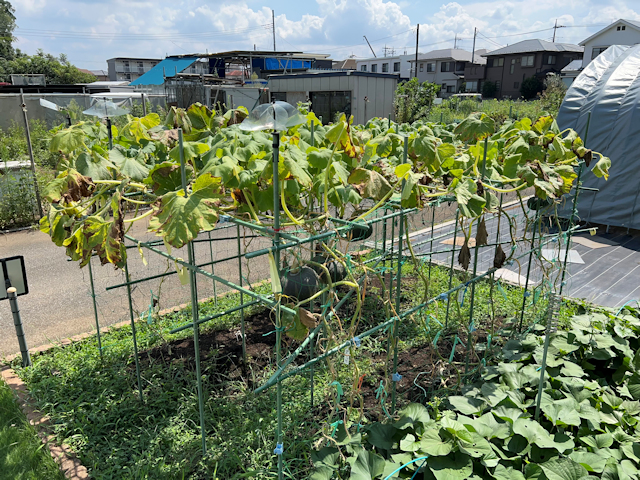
{"x": 396, "y": 66}
{"x": 621, "y": 27}
{"x": 498, "y": 85}
{"x": 385, "y": 67}
{"x": 499, "y": 62}
{"x": 422, "y": 67}
{"x": 472, "y": 86}
{"x": 363, "y": 68}
{"x": 450, "y": 89}
{"x": 516, "y": 84}
{"x": 445, "y": 66}
{"x": 374, "y": 68}
{"x": 513, "y": 66}
{"x": 597, "y": 51}
{"x": 527, "y": 60}
{"x": 459, "y": 66}
{"x": 444, "y": 87}
{"x": 431, "y": 67}
{"x": 551, "y": 60}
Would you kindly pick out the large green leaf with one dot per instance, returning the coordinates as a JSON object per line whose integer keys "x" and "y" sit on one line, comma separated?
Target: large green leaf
{"x": 67, "y": 140}
{"x": 381, "y": 435}
{"x": 94, "y": 166}
{"x": 129, "y": 166}
{"x": 431, "y": 444}
{"x": 590, "y": 461}
{"x": 601, "y": 169}
{"x": 503, "y": 473}
{"x": 367, "y": 466}
{"x": 369, "y": 183}
{"x": 166, "y": 177}
{"x": 476, "y": 126}
{"x": 179, "y": 218}
{"x": 456, "y": 466}
{"x": 413, "y": 415}
{"x": 466, "y": 405}
{"x": 563, "y": 469}
{"x": 190, "y": 150}
{"x": 536, "y": 434}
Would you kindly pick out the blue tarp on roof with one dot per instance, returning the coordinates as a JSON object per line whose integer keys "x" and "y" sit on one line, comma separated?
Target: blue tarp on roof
{"x": 167, "y": 67}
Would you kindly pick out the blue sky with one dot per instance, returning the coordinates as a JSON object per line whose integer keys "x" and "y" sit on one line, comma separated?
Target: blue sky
{"x": 91, "y": 31}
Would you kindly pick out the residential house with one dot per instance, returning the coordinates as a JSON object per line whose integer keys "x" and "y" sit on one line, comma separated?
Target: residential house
{"x": 620, "y": 32}
{"x": 508, "y": 67}
{"x": 446, "y": 68}
{"x": 101, "y": 75}
{"x": 474, "y": 72}
{"x": 126, "y": 68}
{"x": 399, "y": 65}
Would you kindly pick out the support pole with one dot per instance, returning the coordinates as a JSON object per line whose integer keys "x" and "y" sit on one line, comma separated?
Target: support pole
{"x": 213, "y": 271}
{"x": 95, "y": 308}
{"x": 30, "y": 149}
{"x": 525, "y": 293}
{"x": 276, "y": 255}
{"x": 415, "y": 71}
{"x": 194, "y": 306}
{"x": 17, "y": 322}
{"x": 133, "y": 329}
{"x": 273, "y": 24}
{"x": 242, "y": 327}
{"x": 473, "y": 49}
{"x": 109, "y": 133}
{"x": 453, "y": 256}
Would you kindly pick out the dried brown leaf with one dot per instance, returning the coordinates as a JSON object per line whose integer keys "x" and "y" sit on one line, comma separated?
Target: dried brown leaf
{"x": 481, "y": 233}
{"x": 464, "y": 257}
{"x": 499, "y": 258}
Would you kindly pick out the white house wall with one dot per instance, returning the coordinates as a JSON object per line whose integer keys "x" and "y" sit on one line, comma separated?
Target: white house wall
{"x": 438, "y": 77}
{"x": 629, "y": 36}
{"x": 405, "y": 64}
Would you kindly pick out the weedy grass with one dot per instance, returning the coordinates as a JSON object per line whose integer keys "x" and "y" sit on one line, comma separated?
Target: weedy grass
{"x": 95, "y": 408}
{"x": 23, "y": 456}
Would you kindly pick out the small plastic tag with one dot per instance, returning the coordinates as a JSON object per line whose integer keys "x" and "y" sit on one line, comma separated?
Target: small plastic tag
{"x": 347, "y": 357}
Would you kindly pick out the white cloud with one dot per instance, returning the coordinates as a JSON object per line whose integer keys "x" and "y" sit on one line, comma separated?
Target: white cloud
{"x": 336, "y": 27}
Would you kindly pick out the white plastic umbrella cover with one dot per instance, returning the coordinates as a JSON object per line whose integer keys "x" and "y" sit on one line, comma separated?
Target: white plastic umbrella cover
{"x": 106, "y": 107}
{"x": 276, "y": 116}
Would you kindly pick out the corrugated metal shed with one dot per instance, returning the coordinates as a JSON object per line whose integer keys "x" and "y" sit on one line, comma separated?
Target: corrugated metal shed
{"x": 167, "y": 67}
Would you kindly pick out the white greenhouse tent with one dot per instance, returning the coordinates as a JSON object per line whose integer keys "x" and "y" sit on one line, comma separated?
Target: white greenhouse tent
{"x": 606, "y": 98}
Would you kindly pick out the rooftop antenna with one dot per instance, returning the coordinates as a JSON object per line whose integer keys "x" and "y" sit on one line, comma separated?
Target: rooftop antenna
{"x": 374, "y": 53}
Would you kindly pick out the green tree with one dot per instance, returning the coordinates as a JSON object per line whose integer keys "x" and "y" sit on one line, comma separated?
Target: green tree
{"x": 489, "y": 89}
{"x": 553, "y": 94}
{"x": 55, "y": 71}
{"x": 413, "y": 100}
{"x": 530, "y": 88}
{"x": 7, "y": 26}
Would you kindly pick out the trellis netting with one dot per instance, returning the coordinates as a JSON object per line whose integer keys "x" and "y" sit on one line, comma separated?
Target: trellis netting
{"x": 603, "y": 106}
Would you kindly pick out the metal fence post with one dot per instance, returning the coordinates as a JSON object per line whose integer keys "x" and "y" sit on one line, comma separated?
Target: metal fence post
{"x": 17, "y": 321}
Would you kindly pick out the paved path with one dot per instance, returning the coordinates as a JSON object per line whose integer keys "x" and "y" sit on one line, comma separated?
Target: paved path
{"x": 59, "y": 301}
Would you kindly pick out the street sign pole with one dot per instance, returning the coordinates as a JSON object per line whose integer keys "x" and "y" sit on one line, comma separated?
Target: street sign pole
{"x": 17, "y": 321}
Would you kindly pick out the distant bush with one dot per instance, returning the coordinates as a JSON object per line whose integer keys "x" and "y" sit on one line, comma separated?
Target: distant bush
{"x": 18, "y": 207}
{"x": 489, "y": 89}
{"x": 554, "y": 92}
{"x": 413, "y": 100}
{"x": 531, "y": 87}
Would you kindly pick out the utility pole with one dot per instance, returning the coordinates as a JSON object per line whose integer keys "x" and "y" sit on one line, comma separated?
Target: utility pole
{"x": 555, "y": 27}
{"x": 374, "y": 53}
{"x": 473, "y": 50}
{"x": 455, "y": 41}
{"x": 273, "y": 22}
{"x": 415, "y": 72}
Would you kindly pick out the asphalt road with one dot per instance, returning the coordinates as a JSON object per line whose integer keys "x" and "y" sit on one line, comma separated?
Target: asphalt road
{"x": 59, "y": 303}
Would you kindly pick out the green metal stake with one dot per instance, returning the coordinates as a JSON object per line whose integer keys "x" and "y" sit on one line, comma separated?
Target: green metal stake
{"x": 398, "y": 288}
{"x": 213, "y": 271}
{"x": 389, "y": 121}
{"x": 526, "y": 282}
{"x": 475, "y": 271}
{"x": 313, "y": 129}
{"x": 276, "y": 255}
{"x": 433, "y": 221}
{"x": 453, "y": 256}
{"x": 569, "y": 233}
{"x": 242, "y": 327}
{"x": 552, "y": 327}
{"x": 133, "y": 328}
{"x": 393, "y": 239}
{"x": 194, "y": 306}
{"x": 95, "y": 308}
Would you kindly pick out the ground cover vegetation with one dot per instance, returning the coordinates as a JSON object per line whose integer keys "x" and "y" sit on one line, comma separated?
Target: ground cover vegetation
{"x": 23, "y": 456}
{"x": 333, "y": 179}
